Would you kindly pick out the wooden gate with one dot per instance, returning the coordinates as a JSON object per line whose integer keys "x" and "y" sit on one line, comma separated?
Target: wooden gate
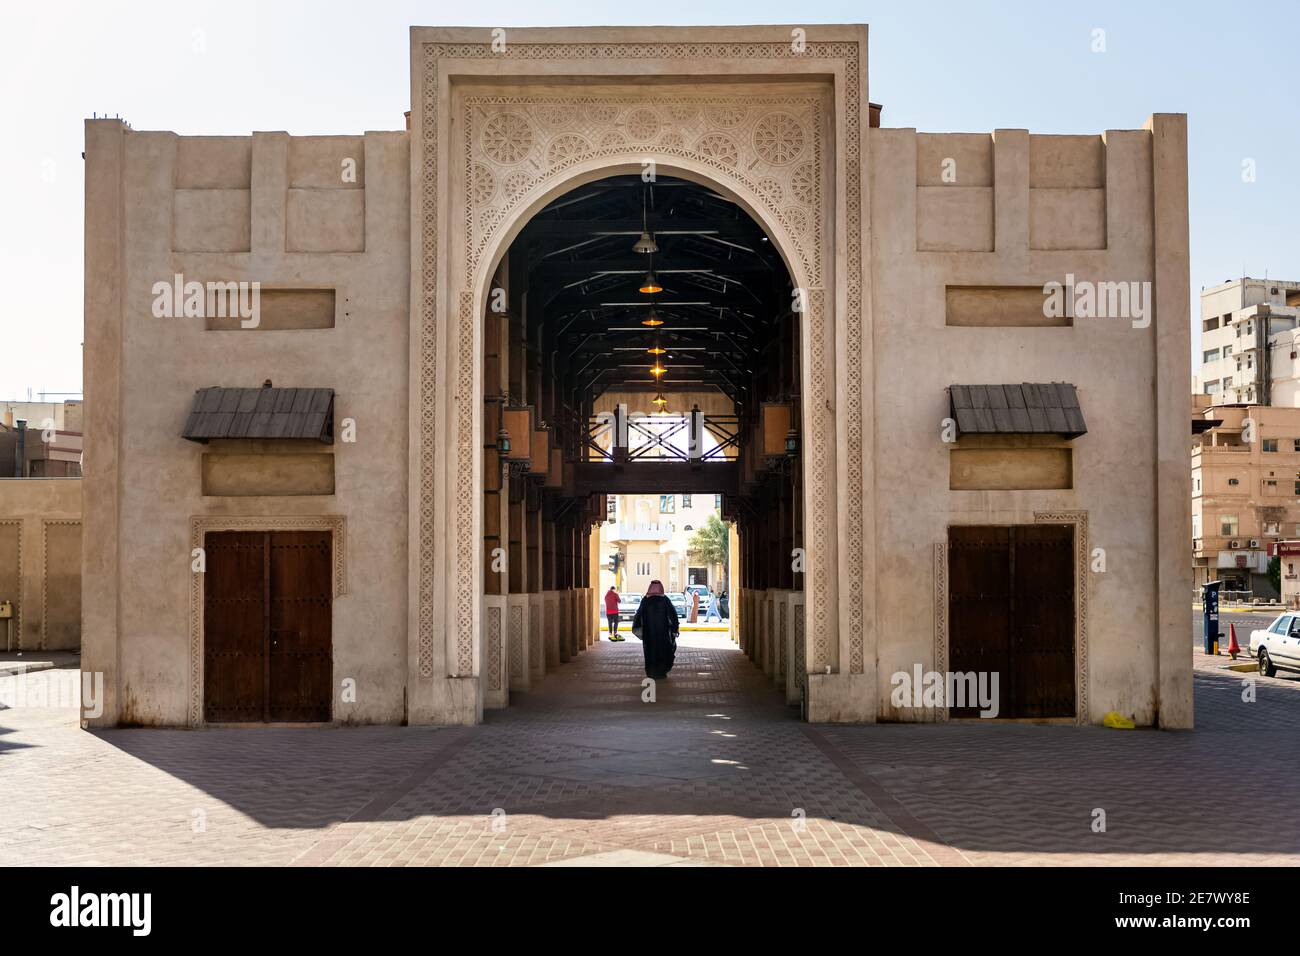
{"x": 1011, "y": 611}
{"x": 267, "y": 642}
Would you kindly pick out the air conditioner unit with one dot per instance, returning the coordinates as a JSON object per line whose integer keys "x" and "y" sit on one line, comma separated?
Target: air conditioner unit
{"x": 1234, "y": 545}
{"x": 1254, "y": 542}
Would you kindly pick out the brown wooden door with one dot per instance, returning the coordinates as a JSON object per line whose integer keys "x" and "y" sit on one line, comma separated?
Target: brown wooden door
{"x": 234, "y": 626}
{"x": 1042, "y": 611}
{"x": 267, "y": 626}
{"x": 1011, "y": 611}
{"x": 979, "y": 607}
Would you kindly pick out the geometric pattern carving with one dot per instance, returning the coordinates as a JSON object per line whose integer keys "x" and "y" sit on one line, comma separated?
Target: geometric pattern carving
{"x": 494, "y": 647}
{"x": 941, "y": 618}
{"x": 855, "y": 560}
{"x": 816, "y": 562}
{"x": 719, "y": 147}
{"x": 517, "y": 642}
{"x": 507, "y": 138}
{"x": 201, "y": 525}
{"x": 776, "y": 139}
{"x": 629, "y": 127}
{"x": 803, "y": 183}
{"x": 466, "y": 534}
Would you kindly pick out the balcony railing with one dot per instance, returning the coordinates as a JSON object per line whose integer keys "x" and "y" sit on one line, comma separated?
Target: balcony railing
{"x": 693, "y": 437}
{"x": 640, "y": 531}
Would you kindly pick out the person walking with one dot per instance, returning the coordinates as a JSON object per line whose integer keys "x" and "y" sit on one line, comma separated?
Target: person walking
{"x": 711, "y": 611}
{"x": 611, "y": 613}
{"x": 656, "y": 624}
{"x": 694, "y": 613}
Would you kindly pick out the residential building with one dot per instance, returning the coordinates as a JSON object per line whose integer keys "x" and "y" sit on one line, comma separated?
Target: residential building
{"x": 65, "y": 415}
{"x": 1250, "y": 343}
{"x": 1245, "y": 492}
{"x": 27, "y": 452}
{"x": 652, "y": 533}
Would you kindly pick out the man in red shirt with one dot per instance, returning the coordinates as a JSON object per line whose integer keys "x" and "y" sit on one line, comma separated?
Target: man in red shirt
{"x": 611, "y": 613}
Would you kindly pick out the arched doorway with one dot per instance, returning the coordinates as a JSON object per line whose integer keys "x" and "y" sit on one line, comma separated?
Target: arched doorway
{"x": 482, "y": 177}
{"x": 640, "y": 372}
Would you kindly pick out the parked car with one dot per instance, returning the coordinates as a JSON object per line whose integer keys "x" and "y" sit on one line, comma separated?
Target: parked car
{"x": 1277, "y": 647}
{"x": 679, "y": 603}
{"x": 703, "y": 590}
{"x": 628, "y": 602}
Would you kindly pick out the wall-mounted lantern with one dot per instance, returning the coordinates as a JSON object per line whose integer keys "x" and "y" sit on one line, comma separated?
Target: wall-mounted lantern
{"x": 516, "y": 430}
{"x": 514, "y": 439}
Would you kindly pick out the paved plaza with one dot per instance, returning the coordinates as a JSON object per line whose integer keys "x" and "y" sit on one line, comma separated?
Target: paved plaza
{"x": 716, "y": 771}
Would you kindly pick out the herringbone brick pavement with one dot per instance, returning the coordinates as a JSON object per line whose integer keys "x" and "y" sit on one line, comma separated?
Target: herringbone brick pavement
{"x": 717, "y": 770}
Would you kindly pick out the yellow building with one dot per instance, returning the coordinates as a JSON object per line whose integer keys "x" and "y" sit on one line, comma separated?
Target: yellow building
{"x": 652, "y": 534}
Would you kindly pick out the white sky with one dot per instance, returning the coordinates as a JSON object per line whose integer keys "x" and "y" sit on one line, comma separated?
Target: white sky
{"x": 341, "y": 67}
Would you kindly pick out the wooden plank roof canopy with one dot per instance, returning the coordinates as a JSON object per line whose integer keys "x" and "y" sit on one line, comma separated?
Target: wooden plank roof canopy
{"x": 1049, "y": 409}
{"x": 265, "y": 412}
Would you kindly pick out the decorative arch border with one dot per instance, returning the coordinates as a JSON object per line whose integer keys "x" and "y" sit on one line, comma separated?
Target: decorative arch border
{"x": 1079, "y": 521}
{"x": 849, "y": 145}
{"x": 201, "y": 525}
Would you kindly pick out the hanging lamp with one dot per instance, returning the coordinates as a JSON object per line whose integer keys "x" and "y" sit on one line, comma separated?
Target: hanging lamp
{"x": 646, "y": 245}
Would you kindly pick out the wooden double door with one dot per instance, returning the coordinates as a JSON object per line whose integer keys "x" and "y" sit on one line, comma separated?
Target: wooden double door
{"x": 1011, "y": 612}
{"x": 267, "y": 612}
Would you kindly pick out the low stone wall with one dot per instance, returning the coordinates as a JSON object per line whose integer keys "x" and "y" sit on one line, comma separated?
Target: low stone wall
{"x": 40, "y": 562}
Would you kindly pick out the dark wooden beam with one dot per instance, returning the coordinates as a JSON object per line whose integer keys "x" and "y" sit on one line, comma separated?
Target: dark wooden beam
{"x": 654, "y": 477}
{"x": 743, "y": 228}
{"x": 636, "y": 267}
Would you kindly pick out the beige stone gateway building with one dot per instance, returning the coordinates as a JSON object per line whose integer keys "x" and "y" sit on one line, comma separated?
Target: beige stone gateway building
{"x": 353, "y": 403}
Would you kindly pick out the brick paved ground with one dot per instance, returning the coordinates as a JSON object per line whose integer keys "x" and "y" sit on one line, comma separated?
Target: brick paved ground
{"x": 717, "y": 771}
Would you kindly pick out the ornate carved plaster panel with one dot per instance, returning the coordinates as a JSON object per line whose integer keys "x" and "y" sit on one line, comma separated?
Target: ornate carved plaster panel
{"x": 514, "y": 146}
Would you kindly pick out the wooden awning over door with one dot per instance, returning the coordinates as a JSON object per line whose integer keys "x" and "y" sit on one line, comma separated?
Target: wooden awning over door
{"x": 265, "y": 412}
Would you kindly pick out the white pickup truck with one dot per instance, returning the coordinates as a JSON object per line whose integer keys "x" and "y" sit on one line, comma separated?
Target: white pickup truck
{"x": 1277, "y": 647}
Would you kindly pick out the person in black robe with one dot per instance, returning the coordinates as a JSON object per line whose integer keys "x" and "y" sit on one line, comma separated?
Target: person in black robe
{"x": 656, "y": 624}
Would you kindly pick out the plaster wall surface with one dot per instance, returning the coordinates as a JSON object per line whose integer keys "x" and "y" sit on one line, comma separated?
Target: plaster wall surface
{"x": 1115, "y": 366}
{"x": 173, "y": 189}
{"x": 40, "y": 562}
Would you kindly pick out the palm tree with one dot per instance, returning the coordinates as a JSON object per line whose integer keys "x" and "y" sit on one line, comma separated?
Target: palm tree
{"x": 711, "y": 544}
